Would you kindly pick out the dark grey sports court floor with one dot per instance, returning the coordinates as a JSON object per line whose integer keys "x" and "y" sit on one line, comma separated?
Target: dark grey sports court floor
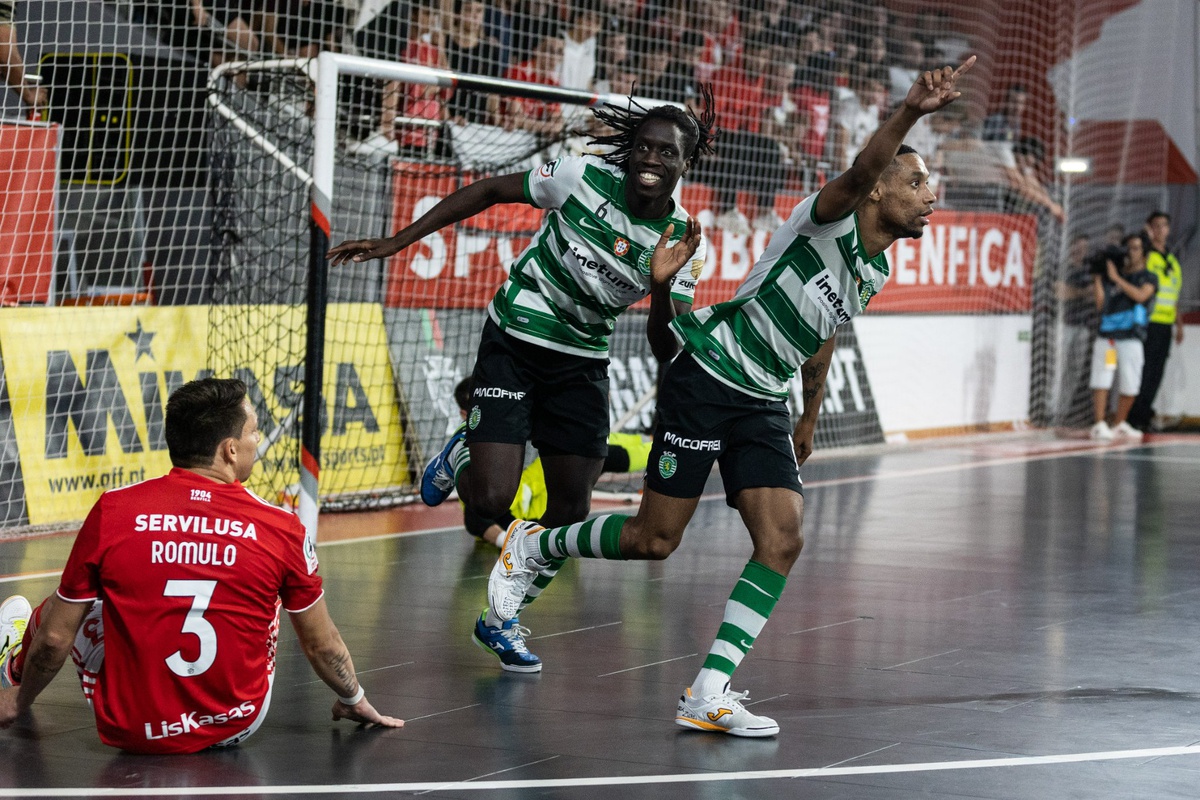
{"x": 1005, "y": 617}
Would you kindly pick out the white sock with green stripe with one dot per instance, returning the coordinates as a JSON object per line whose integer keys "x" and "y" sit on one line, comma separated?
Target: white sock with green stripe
{"x": 593, "y": 538}
{"x": 753, "y": 598}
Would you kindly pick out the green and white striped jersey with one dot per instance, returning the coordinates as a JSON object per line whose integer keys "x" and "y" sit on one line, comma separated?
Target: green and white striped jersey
{"x": 810, "y": 279}
{"x": 589, "y": 261}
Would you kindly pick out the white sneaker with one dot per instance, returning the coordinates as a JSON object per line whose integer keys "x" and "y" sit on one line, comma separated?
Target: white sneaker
{"x": 734, "y": 222}
{"x": 768, "y": 221}
{"x": 1101, "y": 432}
{"x": 1127, "y": 431}
{"x": 14, "y": 618}
{"x": 516, "y": 568}
{"x": 723, "y": 713}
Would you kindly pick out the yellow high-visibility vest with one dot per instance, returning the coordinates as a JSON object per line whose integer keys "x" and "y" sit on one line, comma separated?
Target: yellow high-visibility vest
{"x": 1170, "y": 280}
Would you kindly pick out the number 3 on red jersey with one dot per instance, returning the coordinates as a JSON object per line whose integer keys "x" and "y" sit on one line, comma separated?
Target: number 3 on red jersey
{"x": 194, "y": 623}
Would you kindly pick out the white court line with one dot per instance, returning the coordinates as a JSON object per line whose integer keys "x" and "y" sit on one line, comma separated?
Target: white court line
{"x": 1171, "y": 459}
{"x": 651, "y": 664}
{"x": 991, "y": 462}
{"x": 31, "y": 576}
{"x": 619, "y": 780}
{"x": 574, "y": 630}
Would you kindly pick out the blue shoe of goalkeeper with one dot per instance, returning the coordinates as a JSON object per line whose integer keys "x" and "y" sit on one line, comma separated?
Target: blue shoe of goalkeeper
{"x": 437, "y": 482}
{"x": 507, "y": 643}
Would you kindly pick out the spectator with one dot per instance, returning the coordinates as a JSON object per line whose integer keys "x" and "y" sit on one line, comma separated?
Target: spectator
{"x": 471, "y": 51}
{"x": 858, "y": 114}
{"x": 722, "y": 38}
{"x": 614, "y": 67}
{"x": 1027, "y": 191}
{"x": 1114, "y": 234}
{"x": 1124, "y": 296}
{"x": 498, "y": 25}
{"x": 1077, "y": 304}
{"x": 1165, "y": 320}
{"x": 529, "y": 18}
{"x": 770, "y": 22}
{"x": 578, "y": 70}
{"x": 908, "y": 64}
{"x": 13, "y": 62}
{"x": 413, "y": 100}
{"x": 814, "y": 100}
{"x": 303, "y": 28}
{"x": 149, "y": 586}
{"x": 660, "y": 75}
{"x": 746, "y": 159}
{"x": 215, "y": 31}
{"x": 783, "y": 122}
{"x": 541, "y": 118}
{"x": 579, "y": 46}
{"x": 1005, "y": 124}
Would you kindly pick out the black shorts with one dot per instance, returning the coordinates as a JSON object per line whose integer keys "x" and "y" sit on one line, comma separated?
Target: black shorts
{"x": 701, "y": 420}
{"x": 522, "y": 392}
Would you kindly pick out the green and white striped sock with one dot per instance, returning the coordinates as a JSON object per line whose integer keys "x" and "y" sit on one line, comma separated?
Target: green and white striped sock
{"x": 593, "y": 538}
{"x": 460, "y": 459}
{"x": 750, "y": 604}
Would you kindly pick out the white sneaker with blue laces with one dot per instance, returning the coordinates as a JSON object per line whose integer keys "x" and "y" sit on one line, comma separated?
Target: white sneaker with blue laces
{"x": 437, "y": 482}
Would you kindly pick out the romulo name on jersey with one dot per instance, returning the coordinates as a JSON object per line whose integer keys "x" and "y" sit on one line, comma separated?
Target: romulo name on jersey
{"x": 603, "y": 271}
{"x": 193, "y": 720}
{"x": 194, "y": 524}
{"x": 498, "y": 393}
{"x": 691, "y": 444}
{"x": 172, "y": 552}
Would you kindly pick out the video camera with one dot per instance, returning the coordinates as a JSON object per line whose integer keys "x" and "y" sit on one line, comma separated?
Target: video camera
{"x": 1097, "y": 262}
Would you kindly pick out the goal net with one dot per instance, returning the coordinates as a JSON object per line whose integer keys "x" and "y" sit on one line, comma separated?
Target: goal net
{"x": 166, "y": 206}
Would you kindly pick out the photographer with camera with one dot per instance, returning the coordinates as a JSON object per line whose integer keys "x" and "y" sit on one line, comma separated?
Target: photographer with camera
{"x": 1124, "y": 297}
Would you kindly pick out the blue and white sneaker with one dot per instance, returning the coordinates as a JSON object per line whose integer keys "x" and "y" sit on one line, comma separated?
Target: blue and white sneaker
{"x": 506, "y": 643}
{"x": 14, "y": 618}
{"x": 437, "y": 482}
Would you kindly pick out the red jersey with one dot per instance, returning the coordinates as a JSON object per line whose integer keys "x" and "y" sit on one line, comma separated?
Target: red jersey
{"x": 817, "y": 106}
{"x": 421, "y": 101}
{"x": 740, "y": 102}
{"x": 189, "y": 570}
{"x": 527, "y": 72}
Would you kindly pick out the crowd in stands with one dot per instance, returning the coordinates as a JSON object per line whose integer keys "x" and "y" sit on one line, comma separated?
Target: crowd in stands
{"x": 799, "y": 87}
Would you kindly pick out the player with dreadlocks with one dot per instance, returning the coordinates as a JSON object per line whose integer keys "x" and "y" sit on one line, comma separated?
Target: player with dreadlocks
{"x": 611, "y": 235}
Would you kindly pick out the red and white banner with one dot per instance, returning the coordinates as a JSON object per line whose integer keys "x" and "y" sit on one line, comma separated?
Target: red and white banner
{"x": 28, "y": 182}
{"x": 965, "y": 262}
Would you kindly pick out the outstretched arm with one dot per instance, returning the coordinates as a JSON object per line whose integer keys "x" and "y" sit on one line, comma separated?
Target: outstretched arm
{"x": 47, "y": 653}
{"x": 932, "y": 90}
{"x": 325, "y": 650}
{"x": 665, "y": 262}
{"x": 461, "y": 204}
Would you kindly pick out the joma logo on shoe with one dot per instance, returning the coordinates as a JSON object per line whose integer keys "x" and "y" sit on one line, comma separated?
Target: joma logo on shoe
{"x": 720, "y": 712}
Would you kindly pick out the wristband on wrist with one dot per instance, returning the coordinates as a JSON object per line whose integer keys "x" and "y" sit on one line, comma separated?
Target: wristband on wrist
{"x": 354, "y": 699}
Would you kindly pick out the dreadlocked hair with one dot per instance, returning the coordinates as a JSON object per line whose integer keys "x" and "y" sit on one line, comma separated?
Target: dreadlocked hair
{"x": 698, "y": 131}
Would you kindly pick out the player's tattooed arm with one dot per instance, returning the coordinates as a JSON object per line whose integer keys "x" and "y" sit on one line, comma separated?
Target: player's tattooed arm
{"x": 339, "y": 664}
{"x": 812, "y": 393}
{"x": 331, "y": 661}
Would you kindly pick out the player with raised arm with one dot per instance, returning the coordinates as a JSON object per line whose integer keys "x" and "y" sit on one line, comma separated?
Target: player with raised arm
{"x": 723, "y": 400}
{"x": 541, "y": 374}
{"x": 169, "y": 603}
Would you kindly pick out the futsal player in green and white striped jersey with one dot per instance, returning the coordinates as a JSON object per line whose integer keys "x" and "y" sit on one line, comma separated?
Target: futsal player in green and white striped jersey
{"x": 723, "y": 399}
{"x": 611, "y": 235}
